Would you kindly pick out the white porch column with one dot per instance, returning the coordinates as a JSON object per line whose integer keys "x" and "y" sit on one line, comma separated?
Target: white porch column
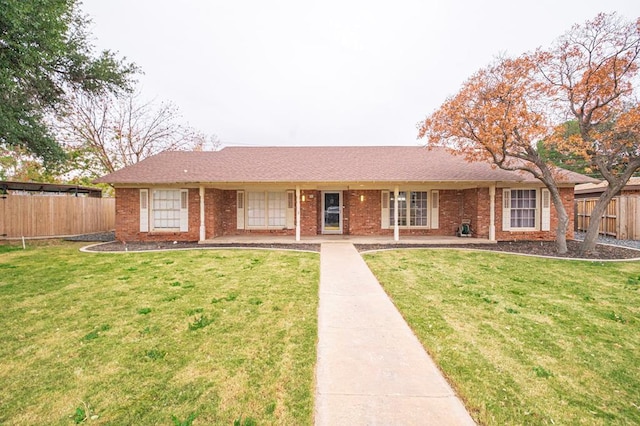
{"x": 396, "y": 230}
{"x": 492, "y": 213}
{"x": 298, "y": 213}
{"x": 203, "y": 233}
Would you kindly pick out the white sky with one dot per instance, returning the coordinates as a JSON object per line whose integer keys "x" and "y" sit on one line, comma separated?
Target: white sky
{"x": 296, "y": 72}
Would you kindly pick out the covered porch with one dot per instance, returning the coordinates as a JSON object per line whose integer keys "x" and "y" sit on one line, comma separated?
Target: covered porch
{"x": 368, "y": 213}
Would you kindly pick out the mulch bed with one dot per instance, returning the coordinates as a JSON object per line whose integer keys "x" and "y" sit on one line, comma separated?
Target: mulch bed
{"x": 170, "y": 245}
{"x": 538, "y": 248}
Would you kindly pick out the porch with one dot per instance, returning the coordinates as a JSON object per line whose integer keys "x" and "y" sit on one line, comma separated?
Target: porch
{"x": 354, "y": 239}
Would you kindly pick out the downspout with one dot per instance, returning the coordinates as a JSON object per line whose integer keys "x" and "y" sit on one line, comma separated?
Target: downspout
{"x": 492, "y": 212}
{"x": 203, "y": 231}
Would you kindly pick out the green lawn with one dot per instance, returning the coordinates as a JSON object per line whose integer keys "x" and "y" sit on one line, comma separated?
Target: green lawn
{"x": 157, "y": 338}
{"x": 525, "y": 340}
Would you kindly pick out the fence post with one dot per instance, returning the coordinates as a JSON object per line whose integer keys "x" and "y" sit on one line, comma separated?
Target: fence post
{"x": 4, "y": 200}
{"x": 621, "y": 223}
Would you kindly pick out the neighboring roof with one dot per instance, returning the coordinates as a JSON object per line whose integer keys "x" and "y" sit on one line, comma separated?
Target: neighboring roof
{"x": 316, "y": 164}
{"x": 598, "y": 188}
{"x": 6, "y": 186}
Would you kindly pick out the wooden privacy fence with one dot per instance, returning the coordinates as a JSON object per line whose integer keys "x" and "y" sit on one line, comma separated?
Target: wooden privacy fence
{"x": 620, "y": 220}
{"x": 49, "y": 216}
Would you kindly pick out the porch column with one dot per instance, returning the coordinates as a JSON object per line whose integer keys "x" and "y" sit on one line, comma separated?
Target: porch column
{"x": 492, "y": 213}
{"x": 203, "y": 233}
{"x": 298, "y": 213}
{"x": 396, "y": 230}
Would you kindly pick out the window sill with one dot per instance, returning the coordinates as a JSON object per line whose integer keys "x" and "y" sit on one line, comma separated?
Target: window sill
{"x": 410, "y": 227}
{"x": 164, "y": 231}
{"x": 266, "y": 228}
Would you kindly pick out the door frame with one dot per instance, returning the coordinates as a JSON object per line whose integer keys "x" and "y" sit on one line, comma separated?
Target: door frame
{"x": 340, "y": 212}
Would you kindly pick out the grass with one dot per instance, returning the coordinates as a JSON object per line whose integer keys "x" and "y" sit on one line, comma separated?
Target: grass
{"x": 202, "y": 337}
{"x": 525, "y": 340}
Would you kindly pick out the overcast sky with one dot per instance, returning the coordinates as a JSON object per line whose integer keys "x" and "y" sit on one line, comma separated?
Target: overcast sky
{"x": 295, "y": 72}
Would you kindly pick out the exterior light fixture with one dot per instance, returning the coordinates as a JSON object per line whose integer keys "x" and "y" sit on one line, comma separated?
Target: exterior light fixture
{"x": 303, "y": 198}
{"x": 361, "y": 197}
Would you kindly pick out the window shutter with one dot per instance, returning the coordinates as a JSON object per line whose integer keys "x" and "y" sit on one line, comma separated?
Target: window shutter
{"x": 184, "y": 210}
{"x": 435, "y": 209}
{"x": 545, "y": 224}
{"x": 291, "y": 209}
{"x": 384, "y": 204}
{"x": 240, "y": 209}
{"x": 506, "y": 209}
{"x": 144, "y": 210}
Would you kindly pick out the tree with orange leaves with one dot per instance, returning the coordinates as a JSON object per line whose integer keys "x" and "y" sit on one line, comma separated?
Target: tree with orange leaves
{"x": 503, "y": 111}
{"x": 593, "y": 71}
{"x": 497, "y": 116}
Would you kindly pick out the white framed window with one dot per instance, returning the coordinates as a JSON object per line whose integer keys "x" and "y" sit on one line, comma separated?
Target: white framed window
{"x": 525, "y": 209}
{"x": 267, "y": 209}
{"x": 256, "y": 209}
{"x": 524, "y": 206}
{"x": 169, "y": 209}
{"x": 277, "y": 213}
{"x": 413, "y": 209}
{"x": 418, "y": 208}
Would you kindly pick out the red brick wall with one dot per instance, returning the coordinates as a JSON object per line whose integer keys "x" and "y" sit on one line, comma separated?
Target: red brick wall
{"x": 215, "y": 205}
{"x": 309, "y": 218}
{"x": 128, "y": 218}
{"x": 450, "y": 210}
{"x": 474, "y": 205}
{"x": 362, "y": 217}
{"x": 365, "y": 216}
{"x": 127, "y": 214}
{"x": 359, "y": 217}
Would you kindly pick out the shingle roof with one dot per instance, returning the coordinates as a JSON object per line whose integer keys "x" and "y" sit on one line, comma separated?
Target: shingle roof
{"x": 316, "y": 164}
{"x": 598, "y": 188}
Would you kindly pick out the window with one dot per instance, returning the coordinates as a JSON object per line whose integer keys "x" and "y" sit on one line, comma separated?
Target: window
{"x": 277, "y": 214}
{"x": 415, "y": 214}
{"x": 418, "y": 213}
{"x": 267, "y": 209}
{"x": 402, "y": 208}
{"x": 256, "y": 214}
{"x": 168, "y": 209}
{"x": 523, "y": 208}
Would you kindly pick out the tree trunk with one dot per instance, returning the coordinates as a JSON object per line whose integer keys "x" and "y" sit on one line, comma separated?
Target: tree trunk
{"x": 590, "y": 239}
{"x": 563, "y": 219}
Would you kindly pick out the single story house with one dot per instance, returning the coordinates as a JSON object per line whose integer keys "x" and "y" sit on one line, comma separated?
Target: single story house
{"x": 390, "y": 191}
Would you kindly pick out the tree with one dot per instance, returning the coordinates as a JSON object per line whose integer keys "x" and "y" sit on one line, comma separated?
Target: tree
{"x": 44, "y": 54}
{"x": 504, "y": 110}
{"x": 592, "y": 71}
{"x": 497, "y": 116}
{"x": 550, "y": 151}
{"x": 105, "y": 133}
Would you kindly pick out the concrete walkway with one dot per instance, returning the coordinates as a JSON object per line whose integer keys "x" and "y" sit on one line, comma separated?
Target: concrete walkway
{"x": 371, "y": 368}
